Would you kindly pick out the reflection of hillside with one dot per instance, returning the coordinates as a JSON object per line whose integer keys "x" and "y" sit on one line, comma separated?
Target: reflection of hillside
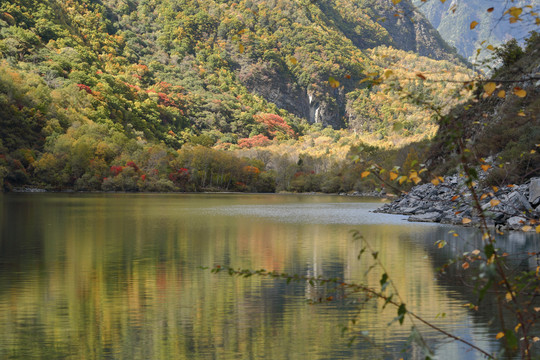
{"x": 117, "y": 276}
{"x": 454, "y": 278}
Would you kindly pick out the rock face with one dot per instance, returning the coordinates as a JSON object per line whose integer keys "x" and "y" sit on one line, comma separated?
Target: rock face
{"x": 451, "y": 202}
{"x": 452, "y": 20}
{"x": 281, "y": 89}
{"x": 327, "y": 106}
{"x": 412, "y": 32}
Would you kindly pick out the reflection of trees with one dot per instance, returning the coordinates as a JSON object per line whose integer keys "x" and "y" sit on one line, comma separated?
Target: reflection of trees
{"x": 453, "y": 280}
{"x": 122, "y": 281}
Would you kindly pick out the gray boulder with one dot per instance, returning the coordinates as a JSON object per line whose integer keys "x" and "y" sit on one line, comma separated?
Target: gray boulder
{"x": 516, "y": 222}
{"x": 534, "y": 191}
{"x": 427, "y": 217}
{"x": 517, "y": 202}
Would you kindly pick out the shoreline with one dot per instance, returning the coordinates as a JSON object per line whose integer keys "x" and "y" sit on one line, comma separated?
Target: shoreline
{"x": 514, "y": 207}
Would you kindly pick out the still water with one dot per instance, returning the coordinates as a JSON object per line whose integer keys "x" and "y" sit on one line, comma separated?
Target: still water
{"x": 117, "y": 276}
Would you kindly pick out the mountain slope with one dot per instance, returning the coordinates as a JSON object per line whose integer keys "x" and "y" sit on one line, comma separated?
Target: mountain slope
{"x": 208, "y": 72}
{"x": 452, "y": 19}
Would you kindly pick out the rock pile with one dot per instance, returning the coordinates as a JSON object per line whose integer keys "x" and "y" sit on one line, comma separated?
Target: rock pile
{"x": 515, "y": 207}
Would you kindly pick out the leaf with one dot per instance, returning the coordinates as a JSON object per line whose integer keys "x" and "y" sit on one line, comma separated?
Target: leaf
{"x": 333, "y": 82}
{"x": 501, "y": 94}
{"x": 483, "y": 196}
{"x": 473, "y": 24}
{"x": 485, "y": 167}
{"x": 490, "y": 10}
{"x": 293, "y": 60}
{"x": 490, "y": 47}
{"x": 455, "y": 197}
{"x": 441, "y": 244}
{"x": 526, "y": 228}
{"x": 393, "y": 176}
{"x": 515, "y": 11}
{"x": 517, "y": 327}
{"x": 401, "y": 313}
{"x": 499, "y": 335}
{"x": 489, "y": 250}
{"x": 364, "y": 174}
{"x": 402, "y": 179}
{"x": 495, "y": 188}
{"x": 538, "y": 229}
{"x": 384, "y": 281}
{"x": 465, "y": 265}
{"x": 494, "y": 202}
{"x": 416, "y": 179}
{"x": 508, "y": 296}
{"x": 489, "y": 88}
{"x": 511, "y": 339}
{"x": 241, "y": 48}
{"x": 435, "y": 181}
{"x": 519, "y": 92}
{"x": 475, "y": 252}
{"x": 466, "y": 221}
{"x": 421, "y": 76}
{"x": 388, "y": 73}
{"x": 396, "y": 2}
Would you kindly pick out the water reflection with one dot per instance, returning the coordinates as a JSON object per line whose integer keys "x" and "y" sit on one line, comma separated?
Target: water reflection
{"x": 101, "y": 276}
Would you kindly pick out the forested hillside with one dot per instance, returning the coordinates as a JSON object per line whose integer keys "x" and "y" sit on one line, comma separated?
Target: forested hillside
{"x": 142, "y": 95}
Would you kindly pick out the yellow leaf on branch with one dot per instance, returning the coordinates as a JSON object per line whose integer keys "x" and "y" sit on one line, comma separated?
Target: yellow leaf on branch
{"x": 393, "y": 176}
{"x": 474, "y": 24}
{"x": 364, "y": 174}
{"x": 515, "y": 11}
{"x": 501, "y": 94}
{"x": 489, "y": 88}
{"x": 520, "y": 92}
{"x": 499, "y": 335}
{"x": 494, "y": 202}
{"x": 466, "y": 221}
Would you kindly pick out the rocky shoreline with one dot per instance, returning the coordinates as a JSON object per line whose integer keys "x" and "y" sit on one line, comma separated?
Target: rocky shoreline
{"x": 513, "y": 207}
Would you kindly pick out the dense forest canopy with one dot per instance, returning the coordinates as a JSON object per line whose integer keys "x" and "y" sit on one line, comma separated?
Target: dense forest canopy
{"x": 257, "y": 95}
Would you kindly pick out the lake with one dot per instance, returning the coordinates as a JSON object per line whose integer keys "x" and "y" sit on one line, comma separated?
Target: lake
{"x": 118, "y": 276}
